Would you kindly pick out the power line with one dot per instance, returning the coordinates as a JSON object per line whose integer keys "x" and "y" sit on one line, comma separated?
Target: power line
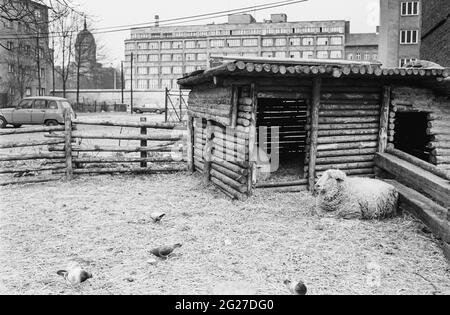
{"x": 177, "y": 21}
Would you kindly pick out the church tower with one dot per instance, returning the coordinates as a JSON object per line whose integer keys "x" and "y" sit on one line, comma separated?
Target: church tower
{"x": 86, "y": 49}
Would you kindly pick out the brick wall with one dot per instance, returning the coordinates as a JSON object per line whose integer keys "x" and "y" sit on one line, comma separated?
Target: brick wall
{"x": 436, "y": 31}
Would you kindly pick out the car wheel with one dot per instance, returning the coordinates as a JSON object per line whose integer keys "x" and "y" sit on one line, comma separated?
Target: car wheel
{"x": 17, "y": 126}
{"x": 3, "y": 123}
{"x": 51, "y": 123}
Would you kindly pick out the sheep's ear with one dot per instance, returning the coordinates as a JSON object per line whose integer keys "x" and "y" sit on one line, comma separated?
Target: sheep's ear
{"x": 339, "y": 175}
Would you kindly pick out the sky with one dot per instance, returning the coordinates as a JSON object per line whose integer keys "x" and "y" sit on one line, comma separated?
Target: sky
{"x": 363, "y": 15}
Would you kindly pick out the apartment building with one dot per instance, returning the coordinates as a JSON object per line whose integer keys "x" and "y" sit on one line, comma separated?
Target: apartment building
{"x": 163, "y": 54}
{"x": 400, "y": 32}
{"x": 24, "y": 52}
{"x": 362, "y": 47}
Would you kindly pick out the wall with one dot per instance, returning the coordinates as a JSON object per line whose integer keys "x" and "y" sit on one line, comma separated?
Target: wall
{"x": 436, "y": 32}
{"x": 424, "y": 100}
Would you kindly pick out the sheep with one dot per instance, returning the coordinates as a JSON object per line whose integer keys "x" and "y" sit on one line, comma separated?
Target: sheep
{"x": 356, "y": 198}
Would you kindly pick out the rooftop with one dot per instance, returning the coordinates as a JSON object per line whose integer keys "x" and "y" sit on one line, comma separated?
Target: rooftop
{"x": 362, "y": 39}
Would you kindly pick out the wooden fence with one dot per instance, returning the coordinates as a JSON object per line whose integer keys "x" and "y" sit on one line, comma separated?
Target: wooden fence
{"x": 66, "y": 157}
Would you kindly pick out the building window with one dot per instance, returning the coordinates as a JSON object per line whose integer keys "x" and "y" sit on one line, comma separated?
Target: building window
{"x": 190, "y": 57}
{"x": 336, "y": 54}
{"x": 358, "y": 56}
{"x": 42, "y": 92}
{"x": 153, "y": 84}
{"x": 10, "y": 45}
{"x": 322, "y": 54}
{"x": 322, "y": 41}
{"x": 295, "y": 54}
{"x": 166, "y": 84}
{"x": 142, "y": 84}
{"x": 177, "y": 70}
{"x": 153, "y": 70}
{"x": 350, "y": 57}
{"x": 177, "y": 57}
{"x": 166, "y": 70}
{"x": 366, "y": 56}
{"x": 375, "y": 57}
{"x": 166, "y": 45}
{"x": 308, "y": 41}
{"x": 267, "y": 42}
{"x": 166, "y": 57}
{"x": 190, "y": 69}
{"x": 409, "y": 37}
{"x": 279, "y": 42}
{"x": 217, "y": 43}
{"x": 308, "y": 55}
{"x": 252, "y": 42}
{"x": 142, "y": 46}
{"x": 177, "y": 45}
{"x": 153, "y": 58}
{"x": 201, "y": 57}
{"x": 410, "y": 8}
{"x": 153, "y": 45}
{"x": 336, "y": 40}
{"x": 28, "y": 91}
{"x": 142, "y": 58}
{"x": 11, "y": 68}
{"x": 234, "y": 43}
{"x": 404, "y": 61}
{"x": 190, "y": 44}
{"x": 202, "y": 44}
{"x": 142, "y": 70}
{"x": 280, "y": 54}
{"x": 267, "y": 54}
{"x": 12, "y": 91}
{"x": 295, "y": 41}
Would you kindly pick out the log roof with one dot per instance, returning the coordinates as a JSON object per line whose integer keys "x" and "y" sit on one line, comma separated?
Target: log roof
{"x": 433, "y": 77}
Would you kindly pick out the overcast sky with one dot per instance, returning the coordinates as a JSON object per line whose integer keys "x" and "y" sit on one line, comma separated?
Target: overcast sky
{"x": 363, "y": 14}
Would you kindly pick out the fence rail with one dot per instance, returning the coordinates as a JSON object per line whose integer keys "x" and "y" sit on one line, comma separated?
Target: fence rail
{"x": 162, "y": 151}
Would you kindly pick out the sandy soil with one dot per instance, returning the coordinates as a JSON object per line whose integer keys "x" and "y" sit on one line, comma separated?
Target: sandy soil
{"x": 103, "y": 223}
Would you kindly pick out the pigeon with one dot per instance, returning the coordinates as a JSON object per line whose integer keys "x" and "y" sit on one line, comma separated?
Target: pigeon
{"x": 75, "y": 275}
{"x": 165, "y": 251}
{"x": 298, "y": 288}
{"x": 157, "y": 216}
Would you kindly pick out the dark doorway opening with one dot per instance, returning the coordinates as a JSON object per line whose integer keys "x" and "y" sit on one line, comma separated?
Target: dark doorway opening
{"x": 290, "y": 117}
{"x": 411, "y": 134}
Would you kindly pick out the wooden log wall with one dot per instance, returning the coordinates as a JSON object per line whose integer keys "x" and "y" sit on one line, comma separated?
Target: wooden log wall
{"x": 229, "y": 145}
{"x": 349, "y": 121}
{"x": 437, "y": 108}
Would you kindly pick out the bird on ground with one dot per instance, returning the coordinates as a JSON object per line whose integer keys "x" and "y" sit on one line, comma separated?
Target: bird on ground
{"x": 165, "y": 251}
{"x": 298, "y": 288}
{"x": 157, "y": 216}
{"x": 75, "y": 275}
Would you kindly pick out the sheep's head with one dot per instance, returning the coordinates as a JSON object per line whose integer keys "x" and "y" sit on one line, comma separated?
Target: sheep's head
{"x": 329, "y": 181}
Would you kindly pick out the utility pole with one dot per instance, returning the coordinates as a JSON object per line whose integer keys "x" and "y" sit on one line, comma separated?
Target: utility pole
{"x": 132, "y": 56}
{"x": 121, "y": 80}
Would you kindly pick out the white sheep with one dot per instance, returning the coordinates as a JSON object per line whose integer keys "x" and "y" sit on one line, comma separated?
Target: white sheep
{"x": 356, "y": 198}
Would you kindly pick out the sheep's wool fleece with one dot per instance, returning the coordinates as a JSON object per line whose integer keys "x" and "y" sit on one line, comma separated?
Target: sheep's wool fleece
{"x": 362, "y": 198}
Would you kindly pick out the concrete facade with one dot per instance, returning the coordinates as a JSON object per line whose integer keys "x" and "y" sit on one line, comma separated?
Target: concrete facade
{"x": 161, "y": 54}
{"x": 436, "y": 31}
{"x": 362, "y": 47}
{"x": 393, "y": 21}
{"x": 19, "y": 64}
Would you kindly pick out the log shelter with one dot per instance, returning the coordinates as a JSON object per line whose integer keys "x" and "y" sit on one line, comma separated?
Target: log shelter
{"x": 266, "y": 123}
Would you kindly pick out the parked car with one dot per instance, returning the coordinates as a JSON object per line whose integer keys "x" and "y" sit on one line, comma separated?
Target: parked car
{"x": 148, "y": 109}
{"x": 40, "y": 110}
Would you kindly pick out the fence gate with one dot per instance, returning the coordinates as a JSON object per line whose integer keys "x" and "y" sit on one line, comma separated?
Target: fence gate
{"x": 175, "y": 106}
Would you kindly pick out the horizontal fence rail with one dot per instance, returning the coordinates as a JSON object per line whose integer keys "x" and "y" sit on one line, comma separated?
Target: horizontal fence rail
{"x": 68, "y": 151}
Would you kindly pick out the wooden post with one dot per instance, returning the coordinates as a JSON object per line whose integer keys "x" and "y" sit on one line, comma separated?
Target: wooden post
{"x": 207, "y": 156}
{"x": 143, "y": 142}
{"x": 234, "y": 107}
{"x": 190, "y": 143}
{"x": 315, "y": 108}
{"x": 253, "y": 155}
{"x": 384, "y": 120}
{"x": 166, "y": 104}
{"x": 68, "y": 144}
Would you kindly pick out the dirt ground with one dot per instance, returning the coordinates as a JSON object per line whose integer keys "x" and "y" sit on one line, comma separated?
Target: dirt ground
{"x": 229, "y": 247}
